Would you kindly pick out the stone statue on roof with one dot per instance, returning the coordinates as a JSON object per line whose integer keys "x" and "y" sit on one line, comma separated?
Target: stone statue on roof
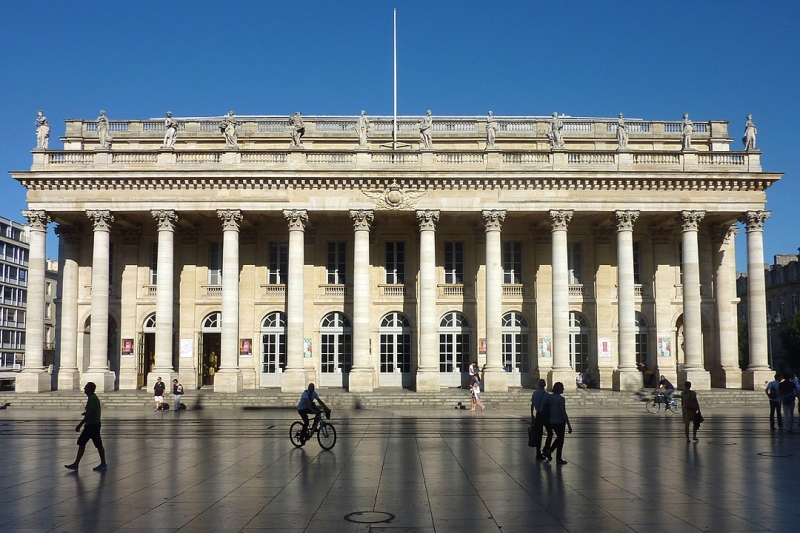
{"x": 686, "y": 132}
{"x": 426, "y": 129}
{"x": 298, "y": 129}
{"x": 228, "y": 129}
{"x": 362, "y": 128}
{"x": 750, "y": 132}
{"x": 170, "y": 130}
{"x": 491, "y": 130}
{"x": 555, "y": 134}
{"x": 622, "y": 133}
{"x": 102, "y": 130}
{"x": 42, "y": 131}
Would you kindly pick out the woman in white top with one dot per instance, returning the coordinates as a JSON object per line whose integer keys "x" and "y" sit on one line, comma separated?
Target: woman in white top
{"x": 476, "y": 394}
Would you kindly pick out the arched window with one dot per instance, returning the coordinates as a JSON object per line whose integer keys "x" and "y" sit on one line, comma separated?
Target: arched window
{"x": 454, "y": 343}
{"x": 336, "y": 343}
{"x": 212, "y": 323}
{"x": 516, "y": 342}
{"x": 395, "y": 343}
{"x": 273, "y": 343}
{"x": 150, "y": 323}
{"x": 578, "y": 342}
{"x": 641, "y": 339}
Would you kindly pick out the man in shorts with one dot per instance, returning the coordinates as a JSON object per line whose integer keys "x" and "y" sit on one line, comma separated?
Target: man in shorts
{"x": 306, "y": 406}
{"x": 91, "y": 430}
{"x": 158, "y": 394}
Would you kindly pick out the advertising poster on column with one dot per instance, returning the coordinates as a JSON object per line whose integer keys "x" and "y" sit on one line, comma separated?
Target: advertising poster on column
{"x": 545, "y": 347}
{"x": 664, "y": 347}
{"x": 127, "y": 347}
{"x": 605, "y": 347}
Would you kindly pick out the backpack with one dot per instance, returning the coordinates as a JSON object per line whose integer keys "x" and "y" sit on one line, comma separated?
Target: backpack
{"x": 772, "y": 392}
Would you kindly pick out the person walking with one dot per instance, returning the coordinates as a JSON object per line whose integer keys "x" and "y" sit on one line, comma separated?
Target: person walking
{"x": 559, "y": 420}
{"x": 787, "y": 392}
{"x": 177, "y": 394}
{"x": 796, "y": 381}
{"x": 691, "y": 411}
{"x": 475, "y": 392}
{"x": 91, "y": 429}
{"x": 774, "y": 403}
{"x": 158, "y": 394}
{"x": 540, "y": 418}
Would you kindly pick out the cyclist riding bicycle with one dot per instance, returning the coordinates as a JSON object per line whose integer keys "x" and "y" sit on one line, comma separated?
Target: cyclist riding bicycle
{"x": 307, "y": 406}
{"x": 666, "y": 388}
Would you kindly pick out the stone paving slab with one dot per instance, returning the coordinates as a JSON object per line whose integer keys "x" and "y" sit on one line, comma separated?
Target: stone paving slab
{"x": 404, "y": 470}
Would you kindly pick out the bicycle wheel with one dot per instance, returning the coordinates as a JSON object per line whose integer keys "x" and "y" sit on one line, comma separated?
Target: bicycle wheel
{"x": 675, "y": 407}
{"x": 295, "y": 434}
{"x": 652, "y": 406}
{"x": 326, "y": 436}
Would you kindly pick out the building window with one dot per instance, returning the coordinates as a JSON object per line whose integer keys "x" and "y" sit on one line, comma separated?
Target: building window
{"x": 794, "y": 304}
{"x": 395, "y": 263}
{"x": 337, "y": 263}
{"x": 278, "y": 263}
{"x": 48, "y": 288}
{"x": 516, "y": 343}
{"x": 574, "y": 263}
{"x": 781, "y": 310}
{"x": 641, "y": 339}
{"x": 273, "y": 343}
{"x": 48, "y": 311}
{"x": 454, "y": 263}
{"x": 637, "y": 265}
{"x": 215, "y": 263}
{"x": 769, "y": 309}
{"x": 512, "y": 263}
{"x": 454, "y": 343}
{"x": 154, "y": 263}
{"x": 578, "y": 342}
{"x": 395, "y": 344}
{"x": 336, "y": 344}
{"x": 111, "y": 263}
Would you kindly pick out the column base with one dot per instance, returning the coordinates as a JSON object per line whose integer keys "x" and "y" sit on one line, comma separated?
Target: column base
{"x": 103, "y": 379}
{"x": 726, "y": 378}
{"x": 294, "y": 380}
{"x": 757, "y": 379}
{"x": 428, "y": 381}
{"x": 700, "y": 378}
{"x": 229, "y": 381}
{"x": 32, "y": 381}
{"x": 495, "y": 380}
{"x": 565, "y": 375}
{"x": 627, "y": 379}
{"x": 360, "y": 381}
{"x": 69, "y": 379}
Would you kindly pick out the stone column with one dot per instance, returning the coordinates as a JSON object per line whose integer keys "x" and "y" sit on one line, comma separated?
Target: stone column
{"x": 627, "y": 377}
{"x": 727, "y": 374}
{"x": 361, "y": 375}
{"x": 67, "y": 343}
{"x": 294, "y": 377}
{"x": 98, "y": 350}
{"x": 758, "y": 371}
{"x": 693, "y": 369}
{"x": 495, "y": 379}
{"x": 229, "y": 378}
{"x": 428, "y": 369}
{"x": 33, "y": 377}
{"x": 562, "y": 369}
{"x": 165, "y": 288}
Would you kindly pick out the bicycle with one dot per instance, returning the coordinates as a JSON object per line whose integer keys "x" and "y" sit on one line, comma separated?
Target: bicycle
{"x": 654, "y": 405}
{"x": 326, "y": 433}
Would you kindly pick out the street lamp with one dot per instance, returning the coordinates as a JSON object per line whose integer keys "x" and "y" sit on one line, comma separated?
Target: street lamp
{"x": 773, "y": 323}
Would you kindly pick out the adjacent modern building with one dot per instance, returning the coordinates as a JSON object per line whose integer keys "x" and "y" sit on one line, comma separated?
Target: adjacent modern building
{"x": 14, "y": 286}
{"x": 368, "y": 253}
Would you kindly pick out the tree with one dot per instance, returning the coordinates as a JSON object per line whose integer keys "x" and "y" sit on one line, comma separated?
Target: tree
{"x": 744, "y": 344}
{"x": 791, "y": 341}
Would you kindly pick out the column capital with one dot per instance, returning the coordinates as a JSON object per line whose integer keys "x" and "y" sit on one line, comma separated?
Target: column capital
{"x": 362, "y": 218}
{"x": 231, "y": 219}
{"x": 165, "y": 218}
{"x": 38, "y": 219}
{"x": 661, "y": 234}
{"x": 754, "y": 220}
{"x": 493, "y": 219}
{"x": 723, "y": 233}
{"x": 690, "y": 220}
{"x": 625, "y": 219}
{"x": 560, "y": 219}
{"x": 428, "y": 219}
{"x": 297, "y": 218}
{"x": 70, "y": 234}
{"x": 101, "y": 219}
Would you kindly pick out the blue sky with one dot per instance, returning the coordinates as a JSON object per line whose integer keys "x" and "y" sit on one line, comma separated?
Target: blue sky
{"x": 651, "y": 60}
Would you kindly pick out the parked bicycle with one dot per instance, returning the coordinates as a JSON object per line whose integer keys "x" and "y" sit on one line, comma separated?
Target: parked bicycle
{"x": 659, "y": 401}
{"x": 326, "y": 433}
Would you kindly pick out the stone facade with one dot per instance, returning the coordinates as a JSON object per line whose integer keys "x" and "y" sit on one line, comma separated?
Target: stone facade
{"x": 353, "y": 265}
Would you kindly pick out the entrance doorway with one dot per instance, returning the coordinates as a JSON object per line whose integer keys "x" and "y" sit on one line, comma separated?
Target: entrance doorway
{"x": 146, "y": 356}
{"x": 209, "y": 348}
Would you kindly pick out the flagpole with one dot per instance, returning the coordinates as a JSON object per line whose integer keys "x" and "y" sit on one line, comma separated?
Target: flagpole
{"x": 394, "y": 124}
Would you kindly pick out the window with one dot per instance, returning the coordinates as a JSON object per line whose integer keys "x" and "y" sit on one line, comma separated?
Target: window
{"x": 574, "y": 263}
{"x": 578, "y": 342}
{"x": 395, "y": 263}
{"x": 273, "y": 343}
{"x": 794, "y": 304}
{"x": 48, "y": 310}
{"x": 215, "y": 263}
{"x": 395, "y": 344}
{"x": 154, "y": 263}
{"x": 454, "y": 343}
{"x": 48, "y": 288}
{"x": 278, "y": 263}
{"x": 641, "y": 339}
{"x": 336, "y": 344}
{"x": 516, "y": 343}
{"x": 637, "y": 265}
{"x": 454, "y": 263}
{"x": 512, "y": 263}
{"x": 337, "y": 263}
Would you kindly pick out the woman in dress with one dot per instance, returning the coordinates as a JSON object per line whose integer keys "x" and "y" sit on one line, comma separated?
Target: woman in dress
{"x": 475, "y": 391}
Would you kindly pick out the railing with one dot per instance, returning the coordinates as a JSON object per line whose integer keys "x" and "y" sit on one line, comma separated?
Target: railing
{"x": 133, "y": 158}
{"x": 630, "y": 127}
{"x": 451, "y": 291}
{"x": 397, "y": 158}
{"x": 513, "y": 291}
{"x": 330, "y": 158}
{"x": 274, "y": 291}
{"x": 526, "y": 158}
{"x": 721, "y": 159}
{"x": 333, "y": 291}
{"x": 637, "y": 291}
{"x": 264, "y": 157}
{"x": 212, "y": 291}
{"x": 194, "y": 158}
{"x": 656, "y": 159}
{"x": 70, "y": 158}
{"x": 576, "y": 291}
{"x": 591, "y": 158}
{"x": 460, "y": 158}
{"x": 392, "y": 291}
{"x": 335, "y": 126}
{"x": 151, "y": 290}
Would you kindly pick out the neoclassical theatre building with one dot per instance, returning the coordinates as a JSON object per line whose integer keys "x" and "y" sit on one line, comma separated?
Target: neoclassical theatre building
{"x": 367, "y": 253}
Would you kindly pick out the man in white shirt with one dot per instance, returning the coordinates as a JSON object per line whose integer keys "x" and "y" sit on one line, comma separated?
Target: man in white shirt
{"x": 306, "y": 406}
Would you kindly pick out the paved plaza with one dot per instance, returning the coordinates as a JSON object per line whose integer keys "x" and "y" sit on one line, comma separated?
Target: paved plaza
{"x": 415, "y": 470}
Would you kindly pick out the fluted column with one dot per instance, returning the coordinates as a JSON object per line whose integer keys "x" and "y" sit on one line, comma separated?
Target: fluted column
{"x": 294, "y": 377}
{"x": 758, "y": 371}
{"x": 164, "y": 295}
{"x": 494, "y": 375}
{"x": 428, "y": 379}
{"x": 98, "y": 349}
{"x": 726, "y": 373}
{"x": 627, "y": 376}
{"x": 693, "y": 369}
{"x": 67, "y": 318}
{"x": 361, "y": 375}
{"x": 562, "y": 369}
{"x": 33, "y": 378}
{"x": 229, "y": 377}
